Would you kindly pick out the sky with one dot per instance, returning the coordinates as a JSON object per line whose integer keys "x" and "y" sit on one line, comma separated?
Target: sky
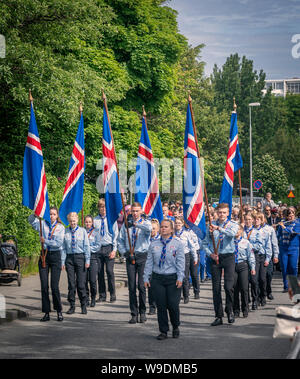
{"x": 262, "y": 30}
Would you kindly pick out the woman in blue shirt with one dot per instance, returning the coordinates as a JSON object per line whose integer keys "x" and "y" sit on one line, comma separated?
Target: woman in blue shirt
{"x": 166, "y": 263}
{"x": 92, "y": 271}
{"x": 52, "y": 238}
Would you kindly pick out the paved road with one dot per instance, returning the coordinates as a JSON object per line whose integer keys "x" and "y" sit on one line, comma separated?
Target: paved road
{"x": 105, "y": 333}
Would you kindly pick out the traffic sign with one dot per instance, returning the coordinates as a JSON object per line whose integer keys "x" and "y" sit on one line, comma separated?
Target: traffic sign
{"x": 257, "y": 184}
{"x": 291, "y": 194}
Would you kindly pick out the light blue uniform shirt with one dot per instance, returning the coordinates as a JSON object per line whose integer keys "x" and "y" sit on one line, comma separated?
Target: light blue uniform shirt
{"x": 266, "y": 243}
{"x": 254, "y": 237}
{"x": 143, "y": 230}
{"x": 94, "y": 240}
{"x": 174, "y": 262}
{"x": 229, "y": 232}
{"x": 188, "y": 242}
{"x": 108, "y": 238}
{"x": 57, "y": 238}
{"x": 246, "y": 253}
{"x": 273, "y": 240}
{"x": 82, "y": 245}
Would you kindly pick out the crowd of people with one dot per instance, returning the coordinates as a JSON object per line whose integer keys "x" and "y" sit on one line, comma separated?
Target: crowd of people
{"x": 167, "y": 259}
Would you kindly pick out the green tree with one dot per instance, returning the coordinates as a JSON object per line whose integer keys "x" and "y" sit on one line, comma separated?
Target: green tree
{"x": 271, "y": 172}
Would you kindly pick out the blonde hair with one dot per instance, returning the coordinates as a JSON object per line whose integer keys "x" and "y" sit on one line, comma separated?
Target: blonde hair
{"x": 72, "y": 214}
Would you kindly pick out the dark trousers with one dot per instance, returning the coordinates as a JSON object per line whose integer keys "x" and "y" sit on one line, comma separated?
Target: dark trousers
{"x": 185, "y": 283}
{"x": 258, "y": 281}
{"x": 194, "y": 274}
{"x": 91, "y": 277}
{"x": 76, "y": 271}
{"x": 135, "y": 273}
{"x": 226, "y": 262}
{"x": 269, "y": 277}
{"x": 108, "y": 264}
{"x": 241, "y": 286}
{"x": 167, "y": 297}
{"x": 53, "y": 264}
{"x": 151, "y": 299}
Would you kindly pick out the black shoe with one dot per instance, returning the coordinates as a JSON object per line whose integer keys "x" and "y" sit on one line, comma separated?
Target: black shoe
{"x": 59, "y": 316}
{"x": 83, "y": 310}
{"x": 186, "y": 300}
{"x": 285, "y": 290}
{"x": 245, "y": 314}
{"x": 143, "y": 318}
{"x": 133, "y": 320}
{"x": 71, "y": 310}
{"x": 218, "y": 321}
{"x": 93, "y": 302}
{"x": 162, "y": 336}
{"x": 263, "y": 302}
{"x": 101, "y": 300}
{"x": 254, "y": 305}
{"x": 88, "y": 303}
{"x": 113, "y": 298}
{"x": 197, "y": 296}
{"x": 46, "y": 317}
{"x": 152, "y": 311}
{"x": 230, "y": 318}
{"x": 236, "y": 314}
{"x": 175, "y": 333}
{"x": 270, "y": 296}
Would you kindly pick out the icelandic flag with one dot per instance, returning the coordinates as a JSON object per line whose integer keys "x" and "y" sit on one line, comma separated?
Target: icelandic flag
{"x": 73, "y": 193}
{"x": 35, "y": 193}
{"x": 234, "y": 163}
{"x": 112, "y": 193}
{"x": 193, "y": 204}
{"x": 146, "y": 184}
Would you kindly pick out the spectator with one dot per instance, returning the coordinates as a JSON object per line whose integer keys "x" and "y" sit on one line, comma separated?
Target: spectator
{"x": 268, "y": 201}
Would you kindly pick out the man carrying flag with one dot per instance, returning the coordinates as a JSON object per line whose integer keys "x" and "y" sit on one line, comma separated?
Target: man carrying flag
{"x": 234, "y": 163}
{"x": 146, "y": 185}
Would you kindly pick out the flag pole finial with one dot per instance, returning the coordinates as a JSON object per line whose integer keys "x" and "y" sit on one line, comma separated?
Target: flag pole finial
{"x": 30, "y": 96}
{"x": 189, "y": 96}
{"x": 144, "y": 112}
{"x": 234, "y": 105}
{"x": 80, "y": 108}
{"x": 103, "y": 95}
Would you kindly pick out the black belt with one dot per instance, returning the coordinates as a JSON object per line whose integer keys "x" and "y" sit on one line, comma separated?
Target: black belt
{"x": 163, "y": 276}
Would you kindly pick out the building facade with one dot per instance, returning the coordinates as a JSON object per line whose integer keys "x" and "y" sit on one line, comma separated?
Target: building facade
{"x": 280, "y": 87}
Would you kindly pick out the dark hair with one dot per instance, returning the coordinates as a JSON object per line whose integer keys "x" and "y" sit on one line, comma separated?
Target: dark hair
{"x": 89, "y": 216}
{"x": 53, "y": 208}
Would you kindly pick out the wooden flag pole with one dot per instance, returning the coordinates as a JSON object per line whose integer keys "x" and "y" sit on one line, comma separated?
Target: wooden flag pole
{"x": 123, "y": 204}
{"x": 43, "y": 254}
{"x": 240, "y": 178}
{"x": 82, "y": 214}
{"x": 204, "y": 187}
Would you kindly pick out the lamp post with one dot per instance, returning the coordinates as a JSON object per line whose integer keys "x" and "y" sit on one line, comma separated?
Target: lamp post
{"x": 250, "y": 132}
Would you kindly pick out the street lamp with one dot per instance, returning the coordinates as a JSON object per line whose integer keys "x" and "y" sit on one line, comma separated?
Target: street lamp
{"x": 250, "y": 132}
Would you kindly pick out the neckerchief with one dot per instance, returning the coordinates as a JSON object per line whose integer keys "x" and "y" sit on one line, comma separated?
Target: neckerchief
{"x": 221, "y": 235}
{"x": 236, "y": 250}
{"x": 73, "y": 231}
{"x": 248, "y": 231}
{"x": 90, "y": 231}
{"x": 102, "y": 225}
{"x": 51, "y": 230}
{"x": 155, "y": 237}
{"x": 134, "y": 233}
{"x": 164, "y": 250}
{"x": 179, "y": 233}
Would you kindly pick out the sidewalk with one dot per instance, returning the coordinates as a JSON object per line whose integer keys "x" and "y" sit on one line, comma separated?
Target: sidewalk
{"x": 24, "y": 301}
